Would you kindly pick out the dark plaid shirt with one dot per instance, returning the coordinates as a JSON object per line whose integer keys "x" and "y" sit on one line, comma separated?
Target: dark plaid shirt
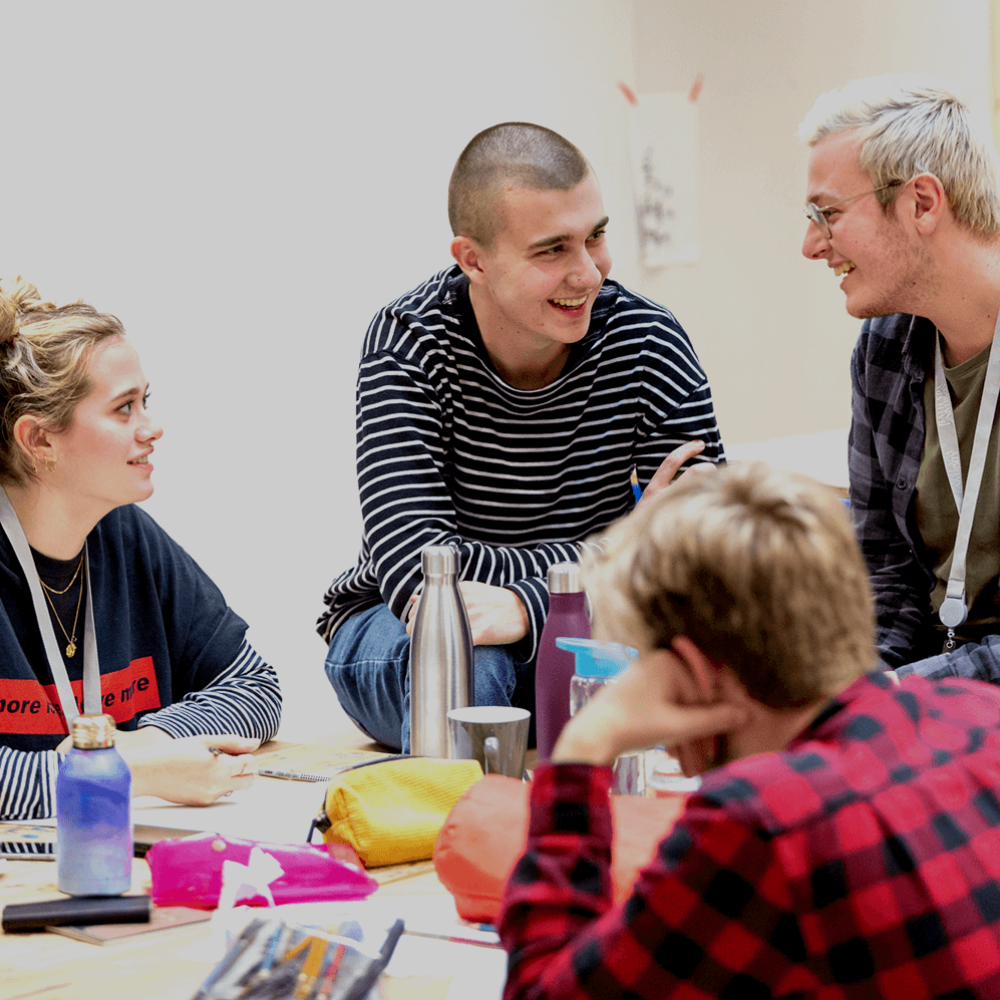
{"x": 892, "y": 360}
{"x": 862, "y": 861}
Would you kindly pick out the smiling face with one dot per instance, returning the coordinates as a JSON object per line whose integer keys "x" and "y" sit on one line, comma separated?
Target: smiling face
{"x": 533, "y": 290}
{"x": 883, "y": 267}
{"x": 102, "y": 457}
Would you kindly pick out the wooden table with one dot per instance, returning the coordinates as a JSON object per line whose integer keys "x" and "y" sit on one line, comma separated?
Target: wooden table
{"x": 46, "y": 966}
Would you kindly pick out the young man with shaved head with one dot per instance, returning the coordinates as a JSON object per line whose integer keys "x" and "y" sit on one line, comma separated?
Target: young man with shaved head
{"x": 502, "y": 406}
{"x": 904, "y": 206}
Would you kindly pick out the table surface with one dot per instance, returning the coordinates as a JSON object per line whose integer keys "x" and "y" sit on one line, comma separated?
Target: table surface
{"x": 47, "y": 966}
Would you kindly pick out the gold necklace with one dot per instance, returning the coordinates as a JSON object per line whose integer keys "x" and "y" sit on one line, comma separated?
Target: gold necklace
{"x": 76, "y": 573}
{"x": 71, "y": 642}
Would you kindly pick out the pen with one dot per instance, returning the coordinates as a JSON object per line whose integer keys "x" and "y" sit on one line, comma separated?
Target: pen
{"x": 634, "y": 479}
{"x": 269, "y": 772}
{"x": 487, "y": 938}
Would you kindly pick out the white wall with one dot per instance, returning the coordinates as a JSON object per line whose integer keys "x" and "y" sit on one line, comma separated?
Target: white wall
{"x": 244, "y": 184}
{"x": 769, "y": 325}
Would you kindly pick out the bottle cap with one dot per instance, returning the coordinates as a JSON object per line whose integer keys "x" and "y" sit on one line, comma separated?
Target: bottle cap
{"x": 564, "y": 578}
{"x": 439, "y": 560}
{"x": 93, "y": 732}
{"x": 598, "y": 659}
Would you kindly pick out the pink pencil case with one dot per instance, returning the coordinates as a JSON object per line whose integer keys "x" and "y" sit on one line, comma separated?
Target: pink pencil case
{"x": 188, "y": 872}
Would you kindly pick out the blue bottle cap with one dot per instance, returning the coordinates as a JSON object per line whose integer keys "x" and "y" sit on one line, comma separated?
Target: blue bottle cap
{"x": 598, "y": 659}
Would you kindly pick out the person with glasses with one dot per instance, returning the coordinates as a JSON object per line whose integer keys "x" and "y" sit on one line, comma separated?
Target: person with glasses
{"x": 903, "y": 205}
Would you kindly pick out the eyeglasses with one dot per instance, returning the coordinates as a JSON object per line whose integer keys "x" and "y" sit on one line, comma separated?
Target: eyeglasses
{"x": 817, "y": 215}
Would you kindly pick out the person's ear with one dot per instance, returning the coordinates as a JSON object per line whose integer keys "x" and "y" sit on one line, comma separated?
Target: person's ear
{"x": 699, "y": 666}
{"x": 468, "y": 255}
{"x": 929, "y": 202}
{"x": 34, "y": 440}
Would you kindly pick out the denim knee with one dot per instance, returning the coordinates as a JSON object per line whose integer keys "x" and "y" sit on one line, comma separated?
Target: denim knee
{"x": 367, "y": 665}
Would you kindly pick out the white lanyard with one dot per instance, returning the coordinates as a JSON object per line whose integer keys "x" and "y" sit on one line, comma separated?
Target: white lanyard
{"x": 953, "y": 610}
{"x": 91, "y": 668}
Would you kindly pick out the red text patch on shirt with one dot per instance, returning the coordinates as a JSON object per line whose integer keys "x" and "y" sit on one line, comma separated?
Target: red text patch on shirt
{"x": 30, "y": 708}
{"x": 126, "y": 693}
{"x": 26, "y": 708}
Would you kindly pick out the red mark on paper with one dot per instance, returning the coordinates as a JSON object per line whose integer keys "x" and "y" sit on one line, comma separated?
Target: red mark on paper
{"x": 696, "y": 87}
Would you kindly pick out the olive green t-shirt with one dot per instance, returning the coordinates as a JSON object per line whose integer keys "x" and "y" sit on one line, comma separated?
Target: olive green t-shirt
{"x": 937, "y": 516}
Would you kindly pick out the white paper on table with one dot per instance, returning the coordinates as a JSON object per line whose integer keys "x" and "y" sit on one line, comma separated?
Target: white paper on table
{"x": 481, "y": 976}
{"x": 278, "y": 812}
{"x": 665, "y": 178}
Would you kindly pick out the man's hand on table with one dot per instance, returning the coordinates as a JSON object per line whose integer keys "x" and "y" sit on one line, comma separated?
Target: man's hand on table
{"x": 497, "y": 616}
{"x": 655, "y": 701}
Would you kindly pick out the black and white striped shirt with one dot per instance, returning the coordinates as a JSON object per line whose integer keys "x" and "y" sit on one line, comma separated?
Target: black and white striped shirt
{"x": 449, "y": 453}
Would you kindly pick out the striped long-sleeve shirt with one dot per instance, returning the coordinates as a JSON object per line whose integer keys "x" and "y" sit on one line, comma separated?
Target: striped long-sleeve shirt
{"x": 172, "y": 654}
{"x": 449, "y": 453}
{"x": 243, "y": 700}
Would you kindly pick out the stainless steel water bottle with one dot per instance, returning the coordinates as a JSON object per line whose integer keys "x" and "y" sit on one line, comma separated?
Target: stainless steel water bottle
{"x": 441, "y": 657}
{"x": 94, "y": 813}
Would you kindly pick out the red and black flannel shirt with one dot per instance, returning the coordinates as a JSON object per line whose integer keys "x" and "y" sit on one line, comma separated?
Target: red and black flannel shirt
{"x": 862, "y": 861}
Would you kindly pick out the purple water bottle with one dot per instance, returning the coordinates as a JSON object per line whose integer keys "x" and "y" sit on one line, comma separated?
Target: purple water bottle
{"x": 554, "y": 667}
{"x": 94, "y": 813}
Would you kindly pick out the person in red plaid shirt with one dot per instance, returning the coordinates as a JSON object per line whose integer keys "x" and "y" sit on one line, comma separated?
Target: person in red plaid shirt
{"x": 845, "y": 841}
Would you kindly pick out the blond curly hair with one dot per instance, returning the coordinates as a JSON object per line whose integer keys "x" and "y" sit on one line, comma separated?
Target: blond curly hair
{"x": 759, "y": 568}
{"x": 44, "y": 350}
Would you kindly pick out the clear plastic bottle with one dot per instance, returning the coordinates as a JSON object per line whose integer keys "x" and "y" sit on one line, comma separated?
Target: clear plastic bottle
{"x": 599, "y": 664}
{"x": 553, "y": 667}
{"x": 94, "y": 813}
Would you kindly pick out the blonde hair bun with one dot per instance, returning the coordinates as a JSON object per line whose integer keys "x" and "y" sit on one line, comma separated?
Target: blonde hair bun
{"x": 16, "y": 298}
{"x": 8, "y": 317}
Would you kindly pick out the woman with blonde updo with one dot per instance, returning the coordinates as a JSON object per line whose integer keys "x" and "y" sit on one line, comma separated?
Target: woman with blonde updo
{"x": 100, "y": 611}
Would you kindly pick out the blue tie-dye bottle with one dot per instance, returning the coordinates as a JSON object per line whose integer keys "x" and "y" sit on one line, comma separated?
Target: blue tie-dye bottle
{"x": 94, "y": 813}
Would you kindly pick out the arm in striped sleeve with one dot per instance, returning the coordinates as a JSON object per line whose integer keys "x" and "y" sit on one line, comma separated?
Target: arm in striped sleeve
{"x": 28, "y": 783}
{"x": 677, "y": 402}
{"x": 244, "y": 699}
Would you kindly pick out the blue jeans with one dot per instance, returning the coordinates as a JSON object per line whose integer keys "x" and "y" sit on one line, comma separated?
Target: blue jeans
{"x": 368, "y": 666}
